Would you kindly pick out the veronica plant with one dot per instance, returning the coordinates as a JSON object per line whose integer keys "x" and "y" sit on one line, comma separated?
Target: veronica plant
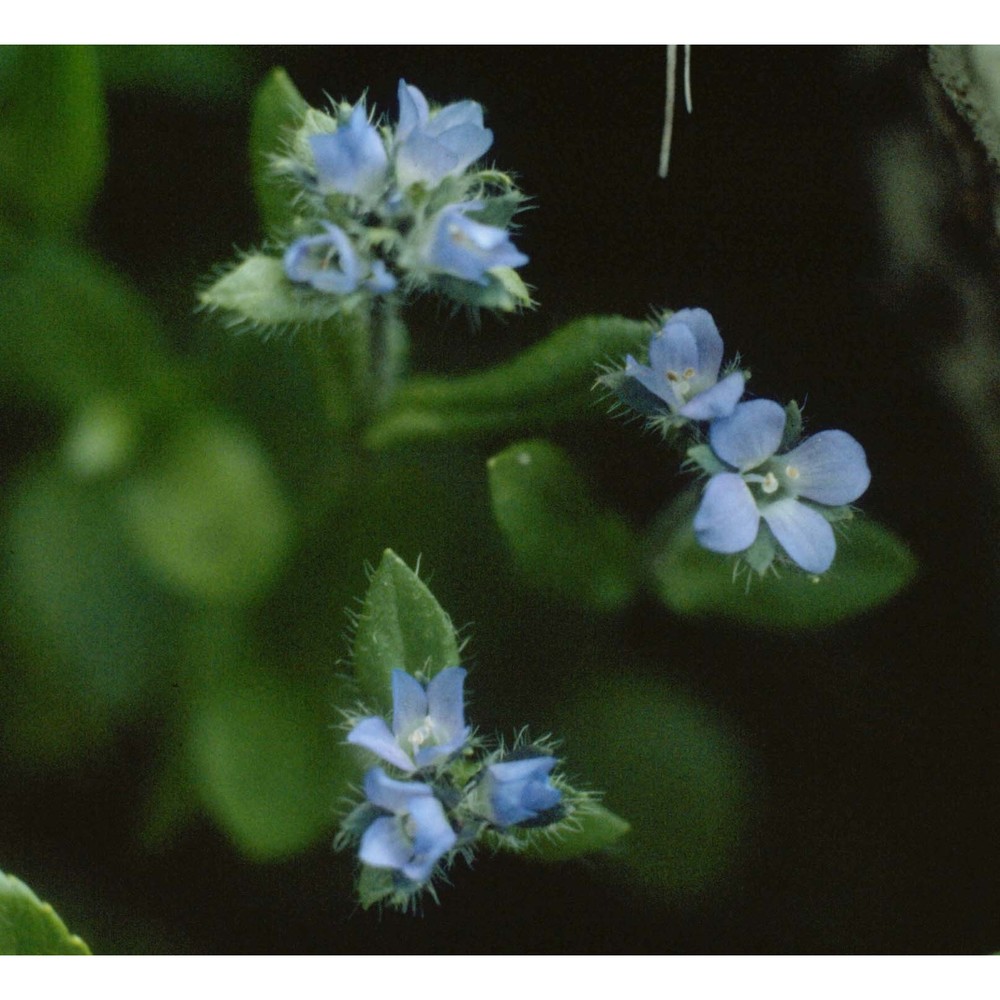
{"x": 433, "y": 789}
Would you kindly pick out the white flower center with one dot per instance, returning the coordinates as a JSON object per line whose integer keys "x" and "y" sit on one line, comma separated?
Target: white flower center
{"x": 792, "y": 471}
{"x": 421, "y": 734}
{"x": 769, "y": 483}
{"x": 681, "y": 381}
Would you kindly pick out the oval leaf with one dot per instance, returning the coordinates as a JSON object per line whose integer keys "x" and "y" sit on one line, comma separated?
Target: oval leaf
{"x": 30, "y": 927}
{"x": 563, "y": 542}
{"x": 871, "y": 565}
{"x": 548, "y": 382}
{"x": 278, "y": 110}
{"x": 401, "y": 625}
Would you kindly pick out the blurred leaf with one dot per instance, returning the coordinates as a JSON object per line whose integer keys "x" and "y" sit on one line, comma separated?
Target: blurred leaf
{"x": 72, "y": 329}
{"x": 257, "y": 292}
{"x": 52, "y": 133}
{"x": 30, "y": 927}
{"x": 674, "y": 764}
{"x": 597, "y": 829}
{"x": 504, "y": 291}
{"x": 277, "y": 110}
{"x": 400, "y": 625}
{"x": 198, "y": 73}
{"x": 93, "y": 632}
{"x": 266, "y": 758}
{"x": 548, "y": 382}
{"x": 209, "y": 515}
{"x": 871, "y": 566}
{"x": 562, "y": 541}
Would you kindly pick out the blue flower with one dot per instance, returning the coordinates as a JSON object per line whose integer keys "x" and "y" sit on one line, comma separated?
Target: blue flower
{"x": 429, "y": 147}
{"x": 683, "y": 371}
{"x": 328, "y": 262}
{"x": 414, "y": 835}
{"x": 427, "y": 725}
{"x": 353, "y": 159}
{"x": 828, "y": 468}
{"x": 517, "y": 791}
{"x": 464, "y": 248}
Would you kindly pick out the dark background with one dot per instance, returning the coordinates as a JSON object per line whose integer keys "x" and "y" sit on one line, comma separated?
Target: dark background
{"x": 871, "y": 751}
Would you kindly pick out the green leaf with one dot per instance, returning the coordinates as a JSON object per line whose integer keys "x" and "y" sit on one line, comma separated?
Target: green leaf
{"x": 257, "y": 292}
{"x": 562, "y": 541}
{"x": 278, "y": 110}
{"x": 208, "y": 514}
{"x": 401, "y": 625}
{"x": 591, "y": 829}
{"x": 266, "y": 759}
{"x": 548, "y": 382}
{"x": 72, "y": 329}
{"x": 52, "y": 133}
{"x": 30, "y": 927}
{"x": 871, "y": 565}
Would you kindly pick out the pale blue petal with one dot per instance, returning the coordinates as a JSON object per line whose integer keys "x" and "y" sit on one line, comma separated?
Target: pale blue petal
{"x": 413, "y": 110}
{"x": 658, "y": 385}
{"x": 831, "y": 466}
{"x": 384, "y": 844}
{"x": 749, "y": 435}
{"x": 392, "y": 795}
{"x": 373, "y": 734}
{"x": 803, "y": 533}
{"x": 445, "y": 704}
{"x": 521, "y": 770}
{"x": 409, "y": 703}
{"x": 433, "y": 837}
{"x": 353, "y": 159}
{"x": 706, "y": 337}
{"x": 673, "y": 349}
{"x": 467, "y": 143}
{"x": 423, "y": 160}
{"x": 718, "y": 401}
{"x": 728, "y": 519}
{"x": 467, "y": 113}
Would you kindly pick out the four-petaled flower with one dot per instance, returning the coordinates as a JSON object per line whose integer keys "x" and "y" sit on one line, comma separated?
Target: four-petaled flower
{"x": 464, "y": 248}
{"x": 329, "y": 263}
{"x": 517, "y": 791}
{"x": 683, "y": 371}
{"x": 828, "y": 469}
{"x": 427, "y": 725}
{"x": 415, "y": 834}
{"x": 353, "y": 159}
{"x": 429, "y": 147}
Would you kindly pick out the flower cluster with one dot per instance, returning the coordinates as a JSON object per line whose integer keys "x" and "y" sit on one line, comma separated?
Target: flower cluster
{"x": 382, "y": 208}
{"x": 446, "y": 792}
{"x": 768, "y": 491}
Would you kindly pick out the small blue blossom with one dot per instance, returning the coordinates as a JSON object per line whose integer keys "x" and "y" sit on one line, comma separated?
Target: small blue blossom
{"x": 683, "y": 371}
{"x": 328, "y": 262}
{"x": 428, "y": 726}
{"x": 464, "y": 248}
{"x": 415, "y": 834}
{"x": 828, "y": 469}
{"x": 429, "y": 147}
{"x": 353, "y": 159}
{"x": 518, "y": 791}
